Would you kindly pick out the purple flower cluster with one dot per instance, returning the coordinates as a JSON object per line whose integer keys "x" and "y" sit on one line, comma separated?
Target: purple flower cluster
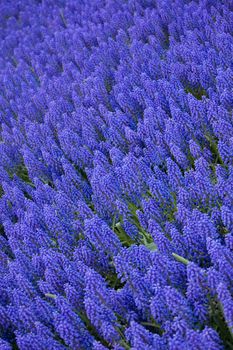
{"x": 116, "y": 175}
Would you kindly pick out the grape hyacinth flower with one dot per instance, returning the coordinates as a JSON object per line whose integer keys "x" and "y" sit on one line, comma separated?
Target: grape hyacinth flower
{"x": 116, "y": 175}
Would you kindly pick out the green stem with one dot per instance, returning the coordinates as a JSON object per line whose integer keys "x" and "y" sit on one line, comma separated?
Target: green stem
{"x": 153, "y": 247}
{"x": 150, "y": 324}
{"x": 181, "y": 259}
{"x": 49, "y": 295}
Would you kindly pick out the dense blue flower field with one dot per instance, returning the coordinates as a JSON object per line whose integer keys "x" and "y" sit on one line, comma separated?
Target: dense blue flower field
{"x": 116, "y": 174}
